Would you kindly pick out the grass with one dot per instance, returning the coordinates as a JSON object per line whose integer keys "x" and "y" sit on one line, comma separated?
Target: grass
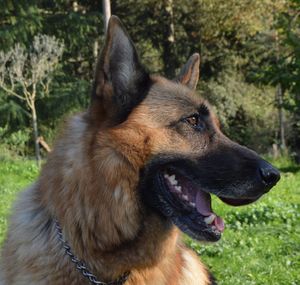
{"x": 14, "y": 176}
{"x": 261, "y": 242}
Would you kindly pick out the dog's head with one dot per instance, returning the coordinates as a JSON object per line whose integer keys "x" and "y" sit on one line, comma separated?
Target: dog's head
{"x": 171, "y": 139}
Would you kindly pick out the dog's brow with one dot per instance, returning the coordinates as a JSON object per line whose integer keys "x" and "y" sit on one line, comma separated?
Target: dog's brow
{"x": 203, "y": 110}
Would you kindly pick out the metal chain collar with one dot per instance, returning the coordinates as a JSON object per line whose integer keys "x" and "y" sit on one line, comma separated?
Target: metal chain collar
{"x": 81, "y": 266}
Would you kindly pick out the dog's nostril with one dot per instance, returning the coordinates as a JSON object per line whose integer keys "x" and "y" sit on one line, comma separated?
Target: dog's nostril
{"x": 270, "y": 175}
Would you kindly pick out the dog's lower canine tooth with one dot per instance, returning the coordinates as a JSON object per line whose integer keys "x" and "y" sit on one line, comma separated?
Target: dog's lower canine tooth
{"x": 208, "y": 220}
{"x": 193, "y": 204}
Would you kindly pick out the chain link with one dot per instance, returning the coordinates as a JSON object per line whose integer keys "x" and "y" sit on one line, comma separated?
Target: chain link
{"x": 81, "y": 266}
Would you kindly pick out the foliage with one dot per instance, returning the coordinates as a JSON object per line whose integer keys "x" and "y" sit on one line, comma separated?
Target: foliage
{"x": 277, "y": 62}
{"x": 79, "y": 25}
{"x": 19, "y": 22}
{"x": 239, "y": 107}
{"x": 16, "y": 142}
{"x": 238, "y": 42}
{"x": 28, "y": 69}
{"x": 23, "y": 74}
{"x": 219, "y": 29}
{"x": 66, "y": 97}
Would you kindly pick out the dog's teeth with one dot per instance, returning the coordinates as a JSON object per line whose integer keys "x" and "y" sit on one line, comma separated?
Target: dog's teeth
{"x": 173, "y": 180}
{"x": 193, "y": 204}
{"x": 213, "y": 228}
{"x": 208, "y": 220}
{"x": 185, "y": 197}
{"x": 178, "y": 189}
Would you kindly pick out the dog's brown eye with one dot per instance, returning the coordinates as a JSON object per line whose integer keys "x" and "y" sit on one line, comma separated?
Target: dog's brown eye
{"x": 193, "y": 120}
{"x": 196, "y": 122}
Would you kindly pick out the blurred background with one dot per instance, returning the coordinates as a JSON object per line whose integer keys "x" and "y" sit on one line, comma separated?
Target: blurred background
{"x": 250, "y": 72}
{"x": 250, "y": 61}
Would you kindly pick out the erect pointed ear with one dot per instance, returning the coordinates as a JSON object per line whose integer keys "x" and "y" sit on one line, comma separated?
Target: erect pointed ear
{"x": 189, "y": 73}
{"x": 120, "y": 80}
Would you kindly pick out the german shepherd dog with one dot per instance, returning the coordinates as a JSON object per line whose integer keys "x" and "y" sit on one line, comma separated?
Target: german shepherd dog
{"x": 125, "y": 178}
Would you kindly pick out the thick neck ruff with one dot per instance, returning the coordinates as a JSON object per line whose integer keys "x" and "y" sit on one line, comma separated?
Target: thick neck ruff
{"x": 81, "y": 266}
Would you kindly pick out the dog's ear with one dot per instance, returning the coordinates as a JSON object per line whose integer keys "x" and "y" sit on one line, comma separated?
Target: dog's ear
{"x": 189, "y": 73}
{"x": 120, "y": 80}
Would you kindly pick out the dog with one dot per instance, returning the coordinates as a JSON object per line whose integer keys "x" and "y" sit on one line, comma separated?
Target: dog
{"x": 126, "y": 177}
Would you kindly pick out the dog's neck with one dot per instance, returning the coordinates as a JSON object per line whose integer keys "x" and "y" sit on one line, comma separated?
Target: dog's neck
{"x": 111, "y": 232}
{"x": 147, "y": 249}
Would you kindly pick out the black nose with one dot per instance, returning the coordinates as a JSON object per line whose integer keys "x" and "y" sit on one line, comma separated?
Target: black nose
{"x": 269, "y": 174}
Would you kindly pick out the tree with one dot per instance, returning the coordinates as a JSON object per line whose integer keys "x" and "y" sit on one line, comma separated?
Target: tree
{"x": 278, "y": 64}
{"x": 235, "y": 38}
{"x": 106, "y": 12}
{"x": 23, "y": 74}
{"x": 19, "y": 22}
{"x": 291, "y": 31}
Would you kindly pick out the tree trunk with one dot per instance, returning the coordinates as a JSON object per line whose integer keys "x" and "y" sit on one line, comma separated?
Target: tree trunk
{"x": 35, "y": 135}
{"x": 95, "y": 49}
{"x": 281, "y": 119}
{"x": 106, "y": 13}
{"x": 169, "y": 53}
{"x": 279, "y": 99}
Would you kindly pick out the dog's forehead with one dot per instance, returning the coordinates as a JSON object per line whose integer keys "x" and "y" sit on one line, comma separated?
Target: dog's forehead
{"x": 171, "y": 100}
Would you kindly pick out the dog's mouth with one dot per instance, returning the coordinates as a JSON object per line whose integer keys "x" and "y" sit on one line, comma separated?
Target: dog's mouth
{"x": 189, "y": 206}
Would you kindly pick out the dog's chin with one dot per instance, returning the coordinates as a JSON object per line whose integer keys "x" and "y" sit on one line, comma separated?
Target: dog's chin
{"x": 188, "y": 206}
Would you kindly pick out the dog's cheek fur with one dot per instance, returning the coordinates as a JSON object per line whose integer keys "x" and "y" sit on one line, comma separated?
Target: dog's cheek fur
{"x": 93, "y": 180}
{"x": 119, "y": 179}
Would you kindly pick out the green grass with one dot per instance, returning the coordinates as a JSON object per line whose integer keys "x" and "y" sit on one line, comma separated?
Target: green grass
{"x": 261, "y": 242}
{"x": 14, "y": 176}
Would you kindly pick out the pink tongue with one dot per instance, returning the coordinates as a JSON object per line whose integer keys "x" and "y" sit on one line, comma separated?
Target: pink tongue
{"x": 203, "y": 203}
{"x": 219, "y": 224}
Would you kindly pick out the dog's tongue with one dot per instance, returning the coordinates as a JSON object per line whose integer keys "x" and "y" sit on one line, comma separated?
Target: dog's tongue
{"x": 203, "y": 203}
{"x": 219, "y": 224}
{"x": 203, "y": 206}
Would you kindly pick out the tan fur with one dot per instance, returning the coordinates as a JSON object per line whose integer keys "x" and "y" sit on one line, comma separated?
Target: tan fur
{"x": 87, "y": 184}
{"x": 90, "y": 185}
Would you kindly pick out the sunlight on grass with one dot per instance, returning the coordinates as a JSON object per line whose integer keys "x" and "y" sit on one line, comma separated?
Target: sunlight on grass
{"x": 14, "y": 176}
